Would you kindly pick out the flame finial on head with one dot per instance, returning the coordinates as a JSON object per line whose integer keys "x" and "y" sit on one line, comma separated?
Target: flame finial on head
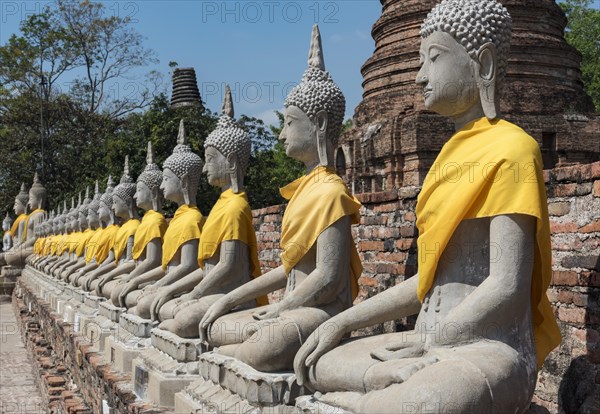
{"x": 149, "y": 154}
{"x": 181, "y": 135}
{"x": 315, "y": 54}
{"x": 227, "y": 108}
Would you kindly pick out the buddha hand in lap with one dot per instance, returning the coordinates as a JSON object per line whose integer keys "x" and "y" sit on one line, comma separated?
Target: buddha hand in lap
{"x": 320, "y": 261}
{"x": 484, "y": 323}
{"x": 227, "y": 254}
{"x": 181, "y": 176}
{"x": 147, "y": 241}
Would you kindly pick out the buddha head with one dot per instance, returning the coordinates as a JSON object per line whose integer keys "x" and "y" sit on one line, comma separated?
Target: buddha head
{"x": 6, "y": 223}
{"x": 82, "y": 214}
{"x": 73, "y": 216}
{"x": 181, "y": 172}
{"x": 105, "y": 211}
{"x": 227, "y": 150}
{"x": 21, "y": 200}
{"x": 464, "y": 53}
{"x": 37, "y": 193}
{"x": 148, "y": 195}
{"x": 123, "y": 203}
{"x": 62, "y": 218}
{"x": 93, "y": 216}
{"x": 314, "y": 112}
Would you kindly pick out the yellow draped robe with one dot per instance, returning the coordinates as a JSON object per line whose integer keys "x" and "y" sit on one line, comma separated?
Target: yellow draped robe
{"x": 230, "y": 219}
{"x": 317, "y": 200}
{"x": 93, "y": 244}
{"x": 106, "y": 242}
{"x": 125, "y": 232}
{"x": 153, "y": 226}
{"x": 14, "y": 229}
{"x": 186, "y": 225}
{"x": 486, "y": 169}
{"x": 83, "y": 242}
{"x": 37, "y": 210}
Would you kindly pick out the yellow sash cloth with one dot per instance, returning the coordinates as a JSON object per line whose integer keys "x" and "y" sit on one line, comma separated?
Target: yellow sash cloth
{"x": 38, "y": 245}
{"x": 74, "y": 241}
{"x": 125, "y": 232}
{"x": 230, "y": 219}
{"x": 185, "y": 226}
{"x": 105, "y": 243}
{"x": 317, "y": 200}
{"x": 153, "y": 226}
{"x": 53, "y": 246}
{"x": 38, "y": 210}
{"x": 90, "y": 252}
{"x": 486, "y": 169}
{"x": 14, "y": 229}
{"x": 83, "y": 242}
{"x": 62, "y": 244}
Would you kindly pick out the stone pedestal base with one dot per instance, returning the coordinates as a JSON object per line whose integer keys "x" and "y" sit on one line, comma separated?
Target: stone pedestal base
{"x": 228, "y": 385}
{"x": 8, "y": 279}
{"x": 111, "y": 312}
{"x": 180, "y": 349}
{"x": 309, "y": 405}
{"x": 136, "y": 326}
{"x": 157, "y": 377}
{"x": 122, "y": 348}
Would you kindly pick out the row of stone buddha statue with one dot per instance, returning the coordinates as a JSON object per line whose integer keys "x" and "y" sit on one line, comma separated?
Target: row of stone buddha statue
{"x": 484, "y": 324}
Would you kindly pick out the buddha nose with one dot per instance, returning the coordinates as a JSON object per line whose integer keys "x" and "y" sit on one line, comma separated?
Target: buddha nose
{"x": 282, "y": 135}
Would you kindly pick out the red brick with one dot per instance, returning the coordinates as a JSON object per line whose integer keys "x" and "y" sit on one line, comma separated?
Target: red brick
{"x": 564, "y": 278}
{"x": 389, "y": 232}
{"x": 410, "y": 216}
{"x": 570, "y": 190}
{"x": 559, "y": 209}
{"x": 565, "y": 297}
{"x": 368, "y": 281}
{"x": 597, "y": 188}
{"x": 572, "y": 315}
{"x": 593, "y": 227}
{"x": 406, "y": 244}
{"x": 580, "y": 299}
{"x": 397, "y": 257}
{"x": 391, "y": 268}
{"x": 386, "y": 208}
{"x": 562, "y": 227}
{"x": 365, "y": 246}
{"x": 408, "y": 231}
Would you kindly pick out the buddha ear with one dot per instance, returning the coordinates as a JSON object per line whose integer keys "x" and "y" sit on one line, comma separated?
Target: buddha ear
{"x": 486, "y": 80}
{"x": 233, "y": 170}
{"x": 322, "y": 120}
{"x": 185, "y": 185}
{"x": 156, "y": 193}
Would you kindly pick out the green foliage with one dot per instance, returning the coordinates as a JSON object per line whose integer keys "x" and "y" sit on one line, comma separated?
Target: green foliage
{"x": 583, "y": 33}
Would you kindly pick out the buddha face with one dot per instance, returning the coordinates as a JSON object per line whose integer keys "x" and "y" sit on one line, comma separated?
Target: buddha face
{"x": 83, "y": 221}
{"x": 34, "y": 200}
{"x": 19, "y": 207}
{"x": 447, "y": 76}
{"x": 120, "y": 207}
{"x": 143, "y": 196}
{"x": 104, "y": 213}
{"x": 171, "y": 186}
{"x": 93, "y": 218}
{"x": 216, "y": 167}
{"x": 5, "y": 226}
{"x": 299, "y": 135}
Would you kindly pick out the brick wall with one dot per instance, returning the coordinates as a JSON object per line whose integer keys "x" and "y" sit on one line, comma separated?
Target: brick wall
{"x": 386, "y": 239}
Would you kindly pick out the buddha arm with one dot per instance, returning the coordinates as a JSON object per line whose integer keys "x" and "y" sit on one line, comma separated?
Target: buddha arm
{"x": 505, "y": 294}
{"x": 230, "y": 267}
{"x": 331, "y": 272}
{"x": 152, "y": 260}
{"x": 269, "y": 282}
{"x": 185, "y": 284}
{"x": 187, "y": 264}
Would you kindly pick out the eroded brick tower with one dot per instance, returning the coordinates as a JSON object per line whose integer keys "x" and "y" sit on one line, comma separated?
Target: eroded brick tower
{"x": 394, "y": 139}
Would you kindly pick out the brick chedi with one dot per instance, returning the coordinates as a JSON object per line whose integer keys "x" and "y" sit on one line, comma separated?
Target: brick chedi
{"x": 394, "y": 139}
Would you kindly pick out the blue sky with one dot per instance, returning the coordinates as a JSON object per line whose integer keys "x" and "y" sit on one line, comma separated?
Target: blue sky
{"x": 259, "y": 47}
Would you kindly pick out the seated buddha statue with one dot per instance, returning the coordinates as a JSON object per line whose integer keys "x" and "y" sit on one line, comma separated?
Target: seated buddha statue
{"x": 123, "y": 207}
{"x": 320, "y": 261}
{"x": 7, "y": 238}
{"x": 147, "y": 241}
{"x": 227, "y": 254}
{"x": 72, "y": 229}
{"x": 484, "y": 324}
{"x": 180, "y": 179}
{"x": 86, "y": 232}
{"x": 50, "y": 235}
{"x": 88, "y": 217}
{"x": 18, "y": 226}
{"x": 102, "y": 253}
{"x": 60, "y": 229}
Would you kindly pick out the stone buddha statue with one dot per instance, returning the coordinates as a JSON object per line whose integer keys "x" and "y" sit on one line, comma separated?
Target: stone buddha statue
{"x": 227, "y": 254}
{"x": 148, "y": 238}
{"x": 103, "y": 252}
{"x": 125, "y": 209}
{"x": 60, "y": 225}
{"x": 17, "y": 229}
{"x": 484, "y": 324}
{"x": 7, "y": 240}
{"x": 84, "y": 236}
{"x": 72, "y": 226}
{"x": 88, "y": 260}
{"x": 320, "y": 261}
{"x": 181, "y": 176}
{"x": 49, "y": 230}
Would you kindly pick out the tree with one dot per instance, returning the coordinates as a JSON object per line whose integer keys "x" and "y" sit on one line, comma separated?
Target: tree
{"x": 583, "y": 33}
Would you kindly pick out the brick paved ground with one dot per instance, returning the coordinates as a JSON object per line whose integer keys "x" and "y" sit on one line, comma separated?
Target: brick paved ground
{"x": 18, "y": 391}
